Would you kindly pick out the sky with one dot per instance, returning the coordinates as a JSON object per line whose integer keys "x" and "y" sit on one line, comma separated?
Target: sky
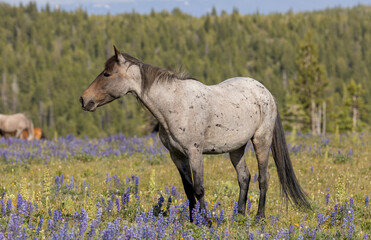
{"x": 193, "y": 7}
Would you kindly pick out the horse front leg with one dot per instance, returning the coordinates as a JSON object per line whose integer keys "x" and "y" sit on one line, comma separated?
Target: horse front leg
{"x": 18, "y": 133}
{"x": 195, "y": 159}
{"x": 182, "y": 164}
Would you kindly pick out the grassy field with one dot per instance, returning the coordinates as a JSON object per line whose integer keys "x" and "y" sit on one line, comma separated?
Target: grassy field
{"x": 128, "y": 188}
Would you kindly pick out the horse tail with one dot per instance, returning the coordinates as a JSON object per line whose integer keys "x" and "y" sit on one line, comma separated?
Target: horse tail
{"x": 31, "y": 133}
{"x": 289, "y": 183}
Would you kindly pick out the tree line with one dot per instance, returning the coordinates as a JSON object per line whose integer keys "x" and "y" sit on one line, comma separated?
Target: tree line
{"x": 314, "y": 63}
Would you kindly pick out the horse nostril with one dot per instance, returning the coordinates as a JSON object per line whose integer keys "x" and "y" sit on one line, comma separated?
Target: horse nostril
{"x": 82, "y": 101}
{"x": 90, "y": 104}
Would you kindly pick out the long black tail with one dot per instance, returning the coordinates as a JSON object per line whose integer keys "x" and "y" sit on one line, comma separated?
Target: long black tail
{"x": 289, "y": 184}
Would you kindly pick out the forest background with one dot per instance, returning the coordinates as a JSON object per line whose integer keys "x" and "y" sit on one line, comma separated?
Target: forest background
{"x": 316, "y": 64}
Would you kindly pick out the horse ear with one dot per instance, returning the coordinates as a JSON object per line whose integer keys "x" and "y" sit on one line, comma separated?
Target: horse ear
{"x": 118, "y": 55}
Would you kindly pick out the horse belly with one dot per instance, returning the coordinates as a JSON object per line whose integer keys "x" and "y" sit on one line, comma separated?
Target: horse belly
{"x": 229, "y": 134}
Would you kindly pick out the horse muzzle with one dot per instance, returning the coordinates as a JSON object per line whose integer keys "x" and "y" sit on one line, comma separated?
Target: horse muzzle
{"x": 88, "y": 105}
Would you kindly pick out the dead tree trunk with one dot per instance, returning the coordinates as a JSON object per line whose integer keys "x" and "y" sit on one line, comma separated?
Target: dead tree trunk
{"x": 313, "y": 117}
{"x": 355, "y": 112}
{"x": 323, "y": 118}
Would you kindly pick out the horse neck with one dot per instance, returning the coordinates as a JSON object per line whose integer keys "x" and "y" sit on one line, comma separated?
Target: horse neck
{"x": 159, "y": 98}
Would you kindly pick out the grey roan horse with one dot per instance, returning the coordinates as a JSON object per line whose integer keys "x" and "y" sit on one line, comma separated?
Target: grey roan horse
{"x": 196, "y": 119}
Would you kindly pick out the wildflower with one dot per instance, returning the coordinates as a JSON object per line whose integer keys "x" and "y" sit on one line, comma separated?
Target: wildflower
{"x": 366, "y": 201}
{"x": 9, "y": 206}
{"x": 234, "y": 213}
{"x": 221, "y": 217}
{"x": 248, "y": 206}
{"x": 2, "y": 207}
{"x": 327, "y": 198}
{"x": 251, "y": 236}
{"x": 174, "y": 192}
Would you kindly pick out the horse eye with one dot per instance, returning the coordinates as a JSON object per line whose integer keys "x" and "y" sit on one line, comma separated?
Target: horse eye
{"x": 106, "y": 74}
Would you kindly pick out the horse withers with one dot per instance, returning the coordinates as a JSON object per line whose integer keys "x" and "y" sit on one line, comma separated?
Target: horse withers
{"x": 197, "y": 119}
{"x": 16, "y": 124}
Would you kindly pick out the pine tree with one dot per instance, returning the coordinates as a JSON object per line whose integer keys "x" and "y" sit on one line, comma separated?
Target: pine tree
{"x": 311, "y": 82}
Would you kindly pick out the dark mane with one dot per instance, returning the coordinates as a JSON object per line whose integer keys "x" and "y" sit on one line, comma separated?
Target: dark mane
{"x": 149, "y": 73}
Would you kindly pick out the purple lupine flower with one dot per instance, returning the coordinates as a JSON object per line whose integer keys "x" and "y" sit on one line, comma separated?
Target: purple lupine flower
{"x": 112, "y": 231}
{"x": 117, "y": 201}
{"x": 3, "y": 212}
{"x": 14, "y": 226}
{"x": 30, "y": 211}
{"x": 71, "y": 183}
{"x": 24, "y": 235}
{"x": 327, "y": 198}
{"x": 94, "y": 225}
{"x": 109, "y": 206}
{"x": 350, "y": 231}
{"x": 61, "y": 179}
{"x": 247, "y": 224}
{"x": 187, "y": 235}
{"x": 221, "y": 217}
{"x": 158, "y": 206}
{"x": 50, "y": 212}
{"x": 174, "y": 192}
{"x": 311, "y": 169}
{"x": 251, "y": 236}
{"x": 365, "y": 237}
{"x": 125, "y": 198}
{"x": 2, "y": 237}
{"x": 226, "y": 233}
{"x": 172, "y": 215}
{"x": 184, "y": 211}
{"x": 82, "y": 222}
{"x": 248, "y": 206}
{"x": 136, "y": 181}
{"x": 40, "y": 225}
{"x": 9, "y": 206}
{"x": 366, "y": 201}
{"x": 351, "y": 202}
{"x": 19, "y": 203}
{"x": 161, "y": 226}
{"x": 234, "y": 213}
{"x": 167, "y": 191}
{"x": 255, "y": 177}
{"x": 64, "y": 230}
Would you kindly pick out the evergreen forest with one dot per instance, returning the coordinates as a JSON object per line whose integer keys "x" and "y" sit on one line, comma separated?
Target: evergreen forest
{"x": 316, "y": 64}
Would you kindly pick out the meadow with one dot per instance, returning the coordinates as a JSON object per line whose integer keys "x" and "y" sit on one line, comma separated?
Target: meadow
{"x": 128, "y": 188}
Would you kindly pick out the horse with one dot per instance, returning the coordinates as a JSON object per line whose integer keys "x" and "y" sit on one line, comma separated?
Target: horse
{"x": 15, "y": 124}
{"x": 38, "y": 133}
{"x": 197, "y": 119}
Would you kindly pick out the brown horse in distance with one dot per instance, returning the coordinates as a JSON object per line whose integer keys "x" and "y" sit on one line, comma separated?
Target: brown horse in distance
{"x": 38, "y": 132}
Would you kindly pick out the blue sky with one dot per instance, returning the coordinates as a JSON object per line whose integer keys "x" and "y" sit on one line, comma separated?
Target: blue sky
{"x": 194, "y": 7}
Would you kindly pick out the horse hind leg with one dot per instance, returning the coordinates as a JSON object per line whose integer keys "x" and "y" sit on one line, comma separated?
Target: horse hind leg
{"x": 262, "y": 141}
{"x": 243, "y": 177}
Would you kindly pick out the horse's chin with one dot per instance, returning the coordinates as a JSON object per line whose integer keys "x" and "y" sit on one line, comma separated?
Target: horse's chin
{"x": 91, "y": 109}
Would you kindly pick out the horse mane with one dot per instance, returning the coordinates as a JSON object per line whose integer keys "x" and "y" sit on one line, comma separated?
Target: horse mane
{"x": 149, "y": 74}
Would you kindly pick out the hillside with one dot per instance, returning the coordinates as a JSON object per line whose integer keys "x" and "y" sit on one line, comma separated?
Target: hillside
{"x": 49, "y": 57}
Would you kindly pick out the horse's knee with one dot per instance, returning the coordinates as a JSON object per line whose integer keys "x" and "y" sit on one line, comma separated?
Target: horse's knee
{"x": 199, "y": 192}
{"x": 244, "y": 181}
